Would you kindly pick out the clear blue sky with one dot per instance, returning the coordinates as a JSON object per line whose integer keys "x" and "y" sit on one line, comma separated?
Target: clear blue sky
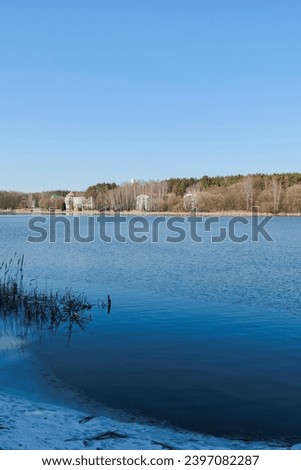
{"x": 109, "y": 90}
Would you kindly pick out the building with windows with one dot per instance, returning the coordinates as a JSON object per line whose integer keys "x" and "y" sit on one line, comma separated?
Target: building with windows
{"x": 77, "y": 201}
{"x": 190, "y": 201}
{"x": 143, "y": 202}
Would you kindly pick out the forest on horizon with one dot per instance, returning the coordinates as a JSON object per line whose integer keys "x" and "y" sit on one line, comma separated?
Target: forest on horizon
{"x": 272, "y": 193}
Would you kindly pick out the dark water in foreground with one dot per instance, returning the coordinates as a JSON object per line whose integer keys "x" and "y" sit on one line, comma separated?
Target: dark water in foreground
{"x": 203, "y": 336}
{"x": 222, "y": 371}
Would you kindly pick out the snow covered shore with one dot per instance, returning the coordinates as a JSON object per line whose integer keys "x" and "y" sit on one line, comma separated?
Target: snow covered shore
{"x": 34, "y": 416}
{"x": 26, "y": 424}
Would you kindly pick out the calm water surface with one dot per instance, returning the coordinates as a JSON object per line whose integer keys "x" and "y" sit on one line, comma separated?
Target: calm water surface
{"x": 203, "y": 336}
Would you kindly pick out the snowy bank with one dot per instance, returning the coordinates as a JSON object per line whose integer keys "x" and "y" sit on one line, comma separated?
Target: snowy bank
{"x": 25, "y": 424}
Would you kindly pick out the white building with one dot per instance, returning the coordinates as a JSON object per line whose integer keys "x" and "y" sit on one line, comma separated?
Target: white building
{"x": 78, "y": 201}
{"x": 143, "y": 202}
{"x": 190, "y": 201}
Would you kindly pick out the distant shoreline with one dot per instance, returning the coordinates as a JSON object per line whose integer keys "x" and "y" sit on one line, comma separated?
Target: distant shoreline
{"x": 155, "y": 213}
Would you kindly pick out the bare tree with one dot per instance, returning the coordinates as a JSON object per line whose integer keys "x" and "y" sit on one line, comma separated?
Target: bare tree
{"x": 248, "y": 189}
{"x": 276, "y": 191}
{"x": 293, "y": 199}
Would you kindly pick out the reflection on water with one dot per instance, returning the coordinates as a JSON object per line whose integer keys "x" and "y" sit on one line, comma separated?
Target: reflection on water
{"x": 32, "y": 310}
{"x": 107, "y": 305}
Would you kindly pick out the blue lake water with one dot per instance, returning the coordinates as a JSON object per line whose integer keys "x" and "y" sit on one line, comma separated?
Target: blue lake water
{"x": 205, "y": 336}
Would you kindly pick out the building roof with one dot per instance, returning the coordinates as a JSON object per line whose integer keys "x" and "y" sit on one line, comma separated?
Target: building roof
{"x": 76, "y": 194}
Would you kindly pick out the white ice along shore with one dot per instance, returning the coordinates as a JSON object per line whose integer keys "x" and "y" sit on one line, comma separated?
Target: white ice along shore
{"x": 27, "y": 422}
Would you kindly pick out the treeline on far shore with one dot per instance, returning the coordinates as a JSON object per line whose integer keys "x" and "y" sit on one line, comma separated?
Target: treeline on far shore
{"x": 271, "y": 193}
